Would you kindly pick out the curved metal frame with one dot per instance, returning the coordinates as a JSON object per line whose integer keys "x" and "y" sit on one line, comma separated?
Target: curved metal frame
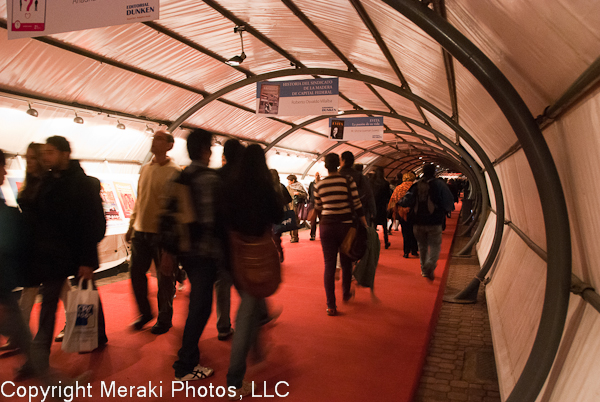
{"x": 461, "y": 132}
{"x": 556, "y": 218}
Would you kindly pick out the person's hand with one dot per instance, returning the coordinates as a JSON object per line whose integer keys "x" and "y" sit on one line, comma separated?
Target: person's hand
{"x": 168, "y": 263}
{"x": 129, "y": 234}
{"x": 85, "y": 272}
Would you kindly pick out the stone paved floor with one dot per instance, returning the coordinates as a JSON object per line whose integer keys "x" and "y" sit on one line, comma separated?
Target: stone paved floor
{"x": 460, "y": 363}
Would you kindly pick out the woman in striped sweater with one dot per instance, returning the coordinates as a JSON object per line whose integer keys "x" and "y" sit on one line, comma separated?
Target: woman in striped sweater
{"x": 332, "y": 203}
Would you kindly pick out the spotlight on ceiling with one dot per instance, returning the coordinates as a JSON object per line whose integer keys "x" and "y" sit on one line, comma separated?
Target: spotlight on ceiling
{"x": 149, "y": 130}
{"x": 237, "y": 60}
{"x": 78, "y": 119}
{"x": 340, "y": 112}
{"x": 32, "y": 112}
{"x": 120, "y": 125}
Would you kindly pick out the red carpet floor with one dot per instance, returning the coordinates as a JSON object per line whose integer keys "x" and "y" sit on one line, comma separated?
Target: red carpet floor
{"x": 372, "y": 351}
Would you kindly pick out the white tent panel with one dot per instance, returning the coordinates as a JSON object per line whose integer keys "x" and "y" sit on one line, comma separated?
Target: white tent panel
{"x": 440, "y": 126}
{"x": 141, "y": 46}
{"x": 481, "y": 116}
{"x": 521, "y": 198}
{"x": 401, "y": 105}
{"x": 305, "y": 141}
{"x": 274, "y": 19}
{"x": 487, "y": 236}
{"x": 343, "y": 26}
{"x": 575, "y": 145}
{"x": 521, "y": 37}
{"x": 418, "y": 56}
{"x": 579, "y": 369}
{"x": 515, "y": 298}
{"x": 203, "y": 25}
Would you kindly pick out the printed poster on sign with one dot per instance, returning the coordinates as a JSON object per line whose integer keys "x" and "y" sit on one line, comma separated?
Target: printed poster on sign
{"x": 109, "y": 203}
{"x": 356, "y": 128}
{"x": 126, "y": 197}
{"x": 29, "y": 18}
{"x": 312, "y": 97}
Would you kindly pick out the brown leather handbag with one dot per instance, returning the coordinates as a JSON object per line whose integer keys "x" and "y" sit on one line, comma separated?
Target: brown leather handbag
{"x": 255, "y": 262}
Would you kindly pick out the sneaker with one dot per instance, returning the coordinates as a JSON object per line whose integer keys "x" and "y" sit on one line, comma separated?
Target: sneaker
{"x": 198, "y": 373}
{"x": 61, "y": 335}
{"x": 331, "y": 311}
{"x": 246, "y": 389}
{"x": 312, "y": 237}
{"x": 225, "y": 335}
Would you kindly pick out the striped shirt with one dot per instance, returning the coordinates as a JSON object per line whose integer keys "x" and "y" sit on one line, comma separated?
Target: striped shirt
{"x": 331, "y": 198}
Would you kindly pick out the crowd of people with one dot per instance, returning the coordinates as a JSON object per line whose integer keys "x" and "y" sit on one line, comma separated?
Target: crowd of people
{"x": 184, "y": 220}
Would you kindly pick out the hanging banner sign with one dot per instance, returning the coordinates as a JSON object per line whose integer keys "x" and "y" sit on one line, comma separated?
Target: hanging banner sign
{"x": 29, "y": 18}
{"x": 297, "y": 98}
{"x": 356, "y": 128}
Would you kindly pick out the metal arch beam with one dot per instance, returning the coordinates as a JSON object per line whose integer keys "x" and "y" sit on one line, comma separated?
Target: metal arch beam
{"x": 547, "y": 179}
{"x": 331, "y": 149}
{"x": 499, "y": 230}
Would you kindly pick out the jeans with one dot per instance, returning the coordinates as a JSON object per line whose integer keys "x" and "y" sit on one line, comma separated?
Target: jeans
{"x": 332, "y": 235}
{"x": 29, "y": 294}
{"x": 40, "y": 349}
{"x": 202, "y": 273}
{"x": 144, "y": 250}
{"x": 247, "y": 326}
{"x": 429, "y": 239}
{"x": 223, "y": 296}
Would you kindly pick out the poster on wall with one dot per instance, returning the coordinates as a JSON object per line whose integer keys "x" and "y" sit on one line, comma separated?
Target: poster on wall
{"x": 298, "y": 98}
{"x": 356, "y": 128}
{"x": 29, "y": 18}
{"x": 126, "y": 197}
{"x": 109, "y": 203}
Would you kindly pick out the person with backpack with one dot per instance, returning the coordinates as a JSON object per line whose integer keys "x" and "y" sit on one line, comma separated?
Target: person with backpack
{"x": 430, "y": 200}
{"x": 191, "y": 230}
{"x": 70, "y": 223}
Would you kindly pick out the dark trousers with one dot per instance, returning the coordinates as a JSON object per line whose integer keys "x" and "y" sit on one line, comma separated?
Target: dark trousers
{"x": 332, "y": 235}
{"x": 144, "y": 250}
{"x": 40, "y": 350}
{"x": 202, "y": 273}
{"x": 11, "y": 323}
{"x": 223, "y": 295}
{"x": 410, "y": 241}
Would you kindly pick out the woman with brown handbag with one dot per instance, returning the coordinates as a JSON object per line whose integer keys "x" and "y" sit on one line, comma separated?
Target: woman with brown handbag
{"x": 255, "y": 260}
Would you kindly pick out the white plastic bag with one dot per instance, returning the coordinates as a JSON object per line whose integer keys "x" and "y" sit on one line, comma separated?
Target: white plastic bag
{"x": 81, "y": 331}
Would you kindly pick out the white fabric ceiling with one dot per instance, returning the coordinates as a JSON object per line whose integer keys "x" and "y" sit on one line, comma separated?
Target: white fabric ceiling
{"x": 154, "y": 72}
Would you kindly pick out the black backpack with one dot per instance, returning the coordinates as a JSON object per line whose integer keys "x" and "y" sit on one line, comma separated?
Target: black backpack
{"x": 424, "y": 206}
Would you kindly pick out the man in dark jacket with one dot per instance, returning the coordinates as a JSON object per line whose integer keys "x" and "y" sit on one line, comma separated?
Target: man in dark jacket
{"x": 69, "y": 213}
{"x": 430, "y": 200}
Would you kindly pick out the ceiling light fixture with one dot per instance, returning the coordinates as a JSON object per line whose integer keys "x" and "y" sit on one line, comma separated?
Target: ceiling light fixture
{"x": 237, "y": 60}
{"x": 78, "y": 119}
{"x": 149, "y": 130}
{"x": 32, "y": 112}
{"x": 340, "y": 112}
{"x": 120, "y": 125}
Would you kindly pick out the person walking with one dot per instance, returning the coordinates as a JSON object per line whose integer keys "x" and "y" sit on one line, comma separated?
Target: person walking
{"x": 298, "y": 194}
{"x": 333, "y": 195}
{"x": 263, "y": 210}
{"x": 194, "y": 197}
{"x": 430, "y": 200}
{"x": 312, "y": 213}
{"x": 382, "y": 194}
{"x": 142, "y": 233}
{"x": 69, "y": 224}
{"x": 406, "y": 219}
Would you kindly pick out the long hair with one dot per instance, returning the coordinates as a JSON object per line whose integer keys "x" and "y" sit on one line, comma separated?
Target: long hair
{"x": 30, "y": 187}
